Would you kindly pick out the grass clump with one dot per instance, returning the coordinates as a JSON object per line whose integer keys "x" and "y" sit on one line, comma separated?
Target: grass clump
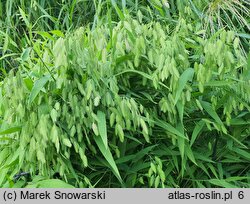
{"x": 133, "y": 104}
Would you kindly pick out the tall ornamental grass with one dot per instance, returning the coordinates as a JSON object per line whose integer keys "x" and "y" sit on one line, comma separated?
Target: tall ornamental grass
{"x": 132, "y": 105}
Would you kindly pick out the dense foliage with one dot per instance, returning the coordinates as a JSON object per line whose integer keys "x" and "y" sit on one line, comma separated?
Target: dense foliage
{"x": 144, "y": 94}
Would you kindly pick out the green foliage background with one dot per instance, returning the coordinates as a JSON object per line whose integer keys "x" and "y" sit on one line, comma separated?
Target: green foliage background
{"x": 124, "y": 93}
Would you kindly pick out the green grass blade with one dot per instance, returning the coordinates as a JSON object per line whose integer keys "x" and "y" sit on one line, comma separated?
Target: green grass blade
{"x": 23, "y": 15}
{"x": 170, "y": 128}
{"x": 190, "y": 154}
{"x": 196, "y": 131}
{"x": 207, "y": 106}
{"x": 11, "y": 130}
{"x": 108, "y": 156}
{"x": 186, "y": 76}
{"x": 221, "y": 183}
{"x": 102, "y": 128}
{"x": 243, "y": 153}
{"x": 38, "y": 85}
{"x": 53, "y": 183}
{"x": 118, "y": 10}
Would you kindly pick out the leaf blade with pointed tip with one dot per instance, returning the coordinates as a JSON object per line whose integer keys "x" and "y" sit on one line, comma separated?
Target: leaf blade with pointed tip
{"x": 102, "y": 128}
{"x": 108, "y": 156}
{"x": 186, "y": 76}
{"x": 196, "y": 131}
{"x": 38, "y": 85}
{"x": 170, "y": 128}
{"x": 190, "y": 154}
{"x": 222, "y": 183}
{"x": 11, "y": 130}
{"x": 207, "y": 106}
{"x": 53, "y": 183}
